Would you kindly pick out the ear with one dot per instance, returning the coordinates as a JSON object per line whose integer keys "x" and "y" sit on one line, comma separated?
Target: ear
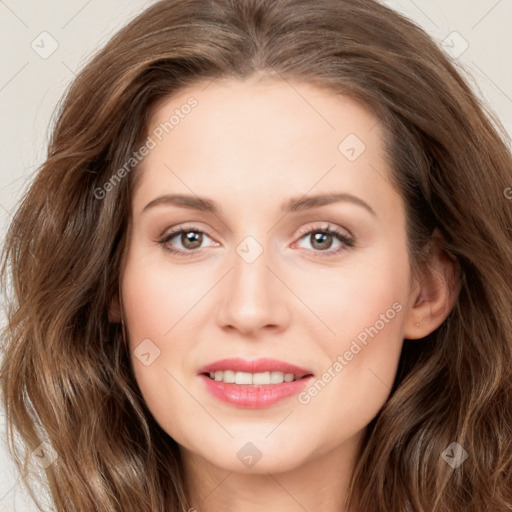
{"x": 114, "y": 310}
{"x": 435, "y": 293}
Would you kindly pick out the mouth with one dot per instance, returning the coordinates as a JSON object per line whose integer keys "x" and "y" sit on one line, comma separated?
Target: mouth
{"x": 254, "y": 384}
{"x": 258, "y": 372}
{"x": 254, "y": 379}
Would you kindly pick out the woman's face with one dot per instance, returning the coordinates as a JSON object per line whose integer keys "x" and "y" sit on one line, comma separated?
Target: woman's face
{"x": 262, "y": 170}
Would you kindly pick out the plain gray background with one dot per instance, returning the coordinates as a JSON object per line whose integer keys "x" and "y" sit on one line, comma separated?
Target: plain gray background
{"x": 47, "y": 42}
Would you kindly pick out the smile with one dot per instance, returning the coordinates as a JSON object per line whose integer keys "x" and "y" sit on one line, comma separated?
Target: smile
{"x": 258, "y": 379}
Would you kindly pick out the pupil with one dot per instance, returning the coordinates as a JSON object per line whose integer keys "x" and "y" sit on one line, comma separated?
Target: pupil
{"x": 321, "y": 238}
{"x": 192, "y": 239}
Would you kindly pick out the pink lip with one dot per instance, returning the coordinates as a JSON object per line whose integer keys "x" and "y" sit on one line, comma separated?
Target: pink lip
{"x": 254, "y": 396}
{"x": 259, "y": 365}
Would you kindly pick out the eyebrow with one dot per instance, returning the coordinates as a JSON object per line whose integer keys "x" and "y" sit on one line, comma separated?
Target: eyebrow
{"x": 292, "y": 205}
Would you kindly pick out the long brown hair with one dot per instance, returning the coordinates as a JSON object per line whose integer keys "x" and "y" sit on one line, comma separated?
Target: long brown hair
{"x": 66, "y": 374}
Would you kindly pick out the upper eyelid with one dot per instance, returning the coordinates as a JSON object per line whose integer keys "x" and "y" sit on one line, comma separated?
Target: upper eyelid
{"x": 171, "y": 232}
{"x": 324, "y": 225}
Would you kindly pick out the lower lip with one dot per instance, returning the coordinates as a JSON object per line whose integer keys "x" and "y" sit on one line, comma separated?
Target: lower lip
{"x": 254, "y": 397}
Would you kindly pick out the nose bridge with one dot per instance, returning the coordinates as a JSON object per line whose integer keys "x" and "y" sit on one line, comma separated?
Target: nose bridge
{"x": 250, "y": 272}
{"x": 251, "y": 295}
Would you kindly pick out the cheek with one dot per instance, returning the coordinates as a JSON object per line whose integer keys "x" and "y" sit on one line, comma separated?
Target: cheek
{"x": 352, "y": 297}
{"x": 163, "y": 312}
{"x": 365, "y": 307}
{"x": 156, "y": 296}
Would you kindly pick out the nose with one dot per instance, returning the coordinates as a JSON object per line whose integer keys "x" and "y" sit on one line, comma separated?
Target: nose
{"x": 253, "y": 297}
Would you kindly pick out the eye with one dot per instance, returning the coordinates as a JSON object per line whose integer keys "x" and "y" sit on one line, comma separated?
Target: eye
{"x": 189, "y": 237}
{"x": 321, "y": 240}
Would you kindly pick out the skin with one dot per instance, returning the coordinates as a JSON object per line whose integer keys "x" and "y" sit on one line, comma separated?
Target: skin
{"x": 250, "y": 146}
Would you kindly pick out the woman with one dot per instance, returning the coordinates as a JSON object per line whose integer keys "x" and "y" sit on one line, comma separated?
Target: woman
{"x": 266, "y": 263}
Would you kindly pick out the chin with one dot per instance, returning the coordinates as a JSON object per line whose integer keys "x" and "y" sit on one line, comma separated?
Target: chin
{"x": 252, "y": 454}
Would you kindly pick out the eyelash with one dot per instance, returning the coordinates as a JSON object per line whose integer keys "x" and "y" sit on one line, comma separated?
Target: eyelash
{"x": 346, "y": 240}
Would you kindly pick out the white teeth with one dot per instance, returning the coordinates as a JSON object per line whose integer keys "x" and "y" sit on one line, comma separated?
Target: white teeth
{"x": 258, "y": 379}
{"x": 276, "y": 377}
{"x": 261, "y": 378}
{"x": 243, "y": 378}
{"x": 229, "y": 376}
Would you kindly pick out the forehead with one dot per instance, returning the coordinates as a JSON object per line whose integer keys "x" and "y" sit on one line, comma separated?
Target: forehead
{"x": 260, "y": 108}
{"x": 267, "y": 137}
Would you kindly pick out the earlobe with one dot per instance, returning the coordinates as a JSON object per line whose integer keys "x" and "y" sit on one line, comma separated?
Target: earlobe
{"x": 435, "y": 295}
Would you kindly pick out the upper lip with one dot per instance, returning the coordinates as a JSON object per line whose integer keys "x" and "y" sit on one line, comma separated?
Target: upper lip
{"x": 255, "y": 366}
